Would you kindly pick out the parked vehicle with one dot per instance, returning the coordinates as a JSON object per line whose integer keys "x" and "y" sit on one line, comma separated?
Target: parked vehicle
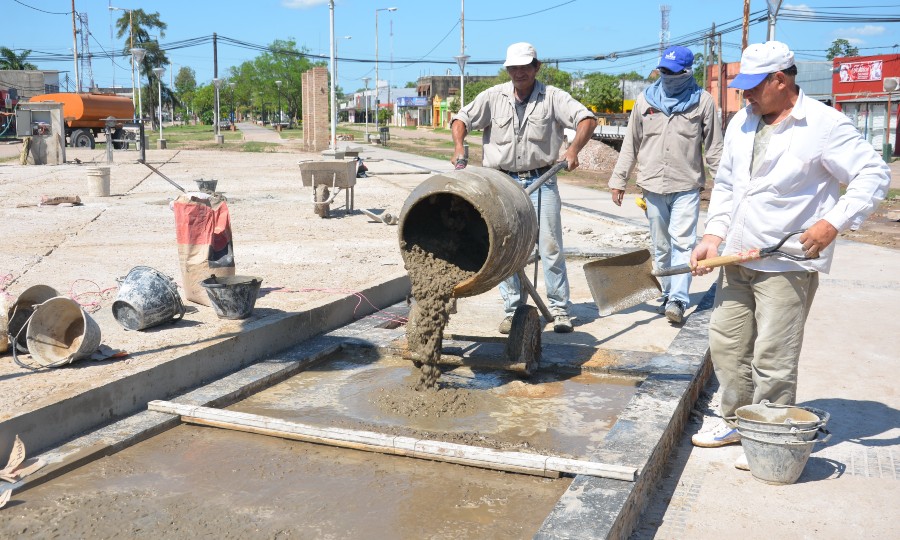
{"x": 85, "y": 115}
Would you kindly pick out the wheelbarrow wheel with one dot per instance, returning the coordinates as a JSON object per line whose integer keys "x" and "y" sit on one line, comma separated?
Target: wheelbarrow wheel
{"x": 321, "y": 207}
{"x": 523, "y": 347}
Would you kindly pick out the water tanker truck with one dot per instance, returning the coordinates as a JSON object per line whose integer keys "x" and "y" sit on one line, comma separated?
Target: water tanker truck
{"x": 85, "y": 116}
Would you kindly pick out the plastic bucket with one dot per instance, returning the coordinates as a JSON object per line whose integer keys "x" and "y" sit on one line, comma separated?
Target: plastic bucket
{"x": 777, "y": 462}
{"x": 60, "y": 332}
{"x": 98, "y": 181}
{"x": 147, "y": 298}
{"x": 232, "y": 297}
{"x": 773, "y": 417}
{"x": 207, "y": 186}
{"x": 22, "y": 308}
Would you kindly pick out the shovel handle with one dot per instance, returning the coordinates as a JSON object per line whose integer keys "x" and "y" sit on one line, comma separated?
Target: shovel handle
{"x": 712, "y": 262}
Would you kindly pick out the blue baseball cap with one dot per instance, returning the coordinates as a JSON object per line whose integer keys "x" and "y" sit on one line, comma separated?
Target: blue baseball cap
{"x": 676, "y": 59}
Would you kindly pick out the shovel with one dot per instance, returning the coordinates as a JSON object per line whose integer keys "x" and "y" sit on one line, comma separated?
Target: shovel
{"x": 627, "y": 280}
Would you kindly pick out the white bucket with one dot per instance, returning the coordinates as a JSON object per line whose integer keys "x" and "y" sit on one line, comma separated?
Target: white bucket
{"x": 98, "y": 181}
{"x": 60, "y": 332}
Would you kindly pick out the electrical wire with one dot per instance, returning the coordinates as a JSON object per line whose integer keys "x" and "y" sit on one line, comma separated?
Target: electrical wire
{"x": 41, "y": 10}
{"x": 524, "y": 15}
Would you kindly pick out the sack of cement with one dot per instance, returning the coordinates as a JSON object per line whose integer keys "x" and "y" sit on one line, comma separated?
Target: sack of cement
{"x": 203, "y": 231}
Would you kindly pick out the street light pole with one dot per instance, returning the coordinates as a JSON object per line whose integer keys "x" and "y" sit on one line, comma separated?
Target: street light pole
{"x": 376, "y": 61}
{"x": 137, "y": 56}
{"x": 220, "y": 139}
{"x": 233, "y": 117}
{"x": 280, "y": 112}
{"x": 366, "y": 97}
{"x": 158, "y": 71}
{"x": 131, "y": 46}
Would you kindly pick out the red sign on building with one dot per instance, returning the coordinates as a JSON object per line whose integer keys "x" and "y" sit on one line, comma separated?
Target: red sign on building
{"x": 860, "y": 71}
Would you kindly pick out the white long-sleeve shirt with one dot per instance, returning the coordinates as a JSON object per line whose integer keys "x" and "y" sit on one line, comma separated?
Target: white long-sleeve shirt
{"x": 811, "y": 154}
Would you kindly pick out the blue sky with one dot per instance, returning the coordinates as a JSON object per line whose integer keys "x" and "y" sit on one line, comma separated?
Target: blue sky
{"x": 429, "y": 31}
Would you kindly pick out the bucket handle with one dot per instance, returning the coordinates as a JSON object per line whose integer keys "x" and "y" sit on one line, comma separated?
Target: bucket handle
{"x": 817, "y": 440}
{"x": 790, "y": 421}
{"x": 62, "y": 362}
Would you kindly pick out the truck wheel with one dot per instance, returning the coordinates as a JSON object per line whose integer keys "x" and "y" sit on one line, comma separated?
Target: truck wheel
{"x": 82, "y": 138}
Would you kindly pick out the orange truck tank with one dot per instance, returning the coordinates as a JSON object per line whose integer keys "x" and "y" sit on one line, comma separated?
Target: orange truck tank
{"x": 85, "y": 114}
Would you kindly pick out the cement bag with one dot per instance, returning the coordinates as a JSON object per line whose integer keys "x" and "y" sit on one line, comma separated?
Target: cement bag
{"x": 203, "y": 229}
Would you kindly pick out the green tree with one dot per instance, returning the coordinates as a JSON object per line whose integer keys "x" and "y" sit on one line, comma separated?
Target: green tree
{"x": 12, "y": 61}
{"x": 185, "y": 87}
{"x": 410, "y": 84}
{"x": 841, "y": 48}
{"x": 136, "y": 28}
{"x": 453, "y": 104}
{"x": 601, "y": 93}
{"x": 632, "y": 76}
{"x": 255, "y": 79}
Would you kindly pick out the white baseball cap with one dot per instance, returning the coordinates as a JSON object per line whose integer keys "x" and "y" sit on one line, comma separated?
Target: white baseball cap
{"x": 759, "y": 60}
{"x": 520, "y": 54}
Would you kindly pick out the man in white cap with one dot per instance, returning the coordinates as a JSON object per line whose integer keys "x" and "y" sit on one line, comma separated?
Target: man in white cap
{"x": 523, "y": 122}
{"x": 673, "y": 120}
{"x": 786, "y": 157}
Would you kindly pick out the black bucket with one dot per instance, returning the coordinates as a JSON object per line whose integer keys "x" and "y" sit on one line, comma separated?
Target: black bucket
{"x": 207, "y": 186}
{"x": 147, "y": 298}
{"x": 232, "y": 297}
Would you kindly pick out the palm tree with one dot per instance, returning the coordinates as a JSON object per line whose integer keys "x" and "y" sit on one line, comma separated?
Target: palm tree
{"x": 10, "y": 60}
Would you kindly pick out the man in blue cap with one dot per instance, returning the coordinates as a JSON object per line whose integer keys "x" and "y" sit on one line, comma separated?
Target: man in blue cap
{"x": 673, "y": 120}
{"x": 784, "y": 161}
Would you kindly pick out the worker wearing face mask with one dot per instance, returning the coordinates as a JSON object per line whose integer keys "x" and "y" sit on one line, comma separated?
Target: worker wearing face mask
{"x": 671, "y": 124}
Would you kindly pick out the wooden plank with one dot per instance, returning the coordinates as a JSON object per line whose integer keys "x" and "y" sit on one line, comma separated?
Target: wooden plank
{"x": 392, "y": 444}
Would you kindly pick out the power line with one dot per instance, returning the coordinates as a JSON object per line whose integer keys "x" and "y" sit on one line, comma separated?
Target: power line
{"x": 41, "y": 10}
{"x": 524, "y": 15}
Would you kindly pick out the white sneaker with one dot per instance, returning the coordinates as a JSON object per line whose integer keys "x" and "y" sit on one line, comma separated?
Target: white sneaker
{"x": 741, "y": 462}
{"x": 722, "y": 435}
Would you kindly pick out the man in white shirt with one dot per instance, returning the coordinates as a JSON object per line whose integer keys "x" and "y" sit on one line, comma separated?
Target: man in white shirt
{"x": 784, "y": 161}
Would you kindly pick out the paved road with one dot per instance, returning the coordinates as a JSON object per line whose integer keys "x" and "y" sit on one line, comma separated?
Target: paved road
{"x": 253, "y": 132}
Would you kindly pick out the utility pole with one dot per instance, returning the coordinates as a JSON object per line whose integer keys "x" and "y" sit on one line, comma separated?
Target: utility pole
{"x": 746, "y": 30}
{"x": 722, "y": 77}
{"x": 706, "y": 59}
{"x": 333, "y": 138}
{"x": 75, "y": 49}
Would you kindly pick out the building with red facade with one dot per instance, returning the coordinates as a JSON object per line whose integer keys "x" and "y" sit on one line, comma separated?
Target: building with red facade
{"x": 859, "y": 87}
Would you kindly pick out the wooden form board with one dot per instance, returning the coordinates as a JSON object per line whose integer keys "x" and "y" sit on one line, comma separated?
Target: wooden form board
{"x": 520, "y": 462}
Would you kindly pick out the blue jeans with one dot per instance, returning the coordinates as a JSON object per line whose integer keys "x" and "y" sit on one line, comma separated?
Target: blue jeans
{"x": 553, "y": 261}
{"x": 673, "y": 232}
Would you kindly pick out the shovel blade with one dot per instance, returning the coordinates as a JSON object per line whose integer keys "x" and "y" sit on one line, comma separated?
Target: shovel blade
{"x": 622, "y": 281}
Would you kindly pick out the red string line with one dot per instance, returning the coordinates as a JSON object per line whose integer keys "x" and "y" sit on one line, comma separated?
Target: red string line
{"x": 360, "y": 297}
{"x": 100, "y": 294}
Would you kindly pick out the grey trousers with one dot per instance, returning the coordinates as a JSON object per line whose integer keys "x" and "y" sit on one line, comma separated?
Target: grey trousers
{"x": 756, "y": 332}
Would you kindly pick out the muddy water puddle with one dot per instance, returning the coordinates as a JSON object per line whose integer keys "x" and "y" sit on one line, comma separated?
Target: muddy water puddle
{"x": 196, "y": 482}
{"x": 550, "y": 413}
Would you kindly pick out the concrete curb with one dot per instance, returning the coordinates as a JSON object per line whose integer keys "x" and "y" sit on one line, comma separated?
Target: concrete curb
{"x": 646, "y": 431}
{"x": 49, "y": 426}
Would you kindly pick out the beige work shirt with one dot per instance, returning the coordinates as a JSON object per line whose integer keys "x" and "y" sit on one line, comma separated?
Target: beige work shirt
{"x": 667, "y": 149}
{"x": 535, "y": 142}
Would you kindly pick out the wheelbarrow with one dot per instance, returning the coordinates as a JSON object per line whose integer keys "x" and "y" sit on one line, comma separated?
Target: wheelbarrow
{"x": 328, "y": 179}
{"x": 498, "y": 229}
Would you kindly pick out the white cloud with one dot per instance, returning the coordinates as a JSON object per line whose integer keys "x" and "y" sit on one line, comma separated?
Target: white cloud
{"x": 799, "y": 7}
{"x": 302, "y": 4}
{"x": 867, "y": 30}
{"x": 854, "y": 41}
